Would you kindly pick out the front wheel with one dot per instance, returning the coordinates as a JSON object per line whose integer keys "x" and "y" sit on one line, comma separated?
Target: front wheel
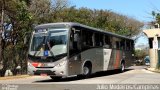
{"x": 87, "y": 71}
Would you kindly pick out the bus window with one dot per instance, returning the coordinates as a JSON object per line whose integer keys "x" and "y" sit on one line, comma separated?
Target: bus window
{"x": 107, "y": 41}
{"x": 97, "y": 39}
{"x": 101, "y": 40}
{"x": 113, "y": 42}
{"x": 132, "y": 45}
{"x": 122, "y": 44}
{"x": 87, "y": 39}
{"x": 117, "y": 45}
{"x": 75, "y": 41}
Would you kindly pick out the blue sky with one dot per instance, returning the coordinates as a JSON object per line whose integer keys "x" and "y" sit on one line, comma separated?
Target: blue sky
{"x": 138, "y": 9}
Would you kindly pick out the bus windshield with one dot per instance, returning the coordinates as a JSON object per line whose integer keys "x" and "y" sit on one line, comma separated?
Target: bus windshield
{"x": 53, "y": 42}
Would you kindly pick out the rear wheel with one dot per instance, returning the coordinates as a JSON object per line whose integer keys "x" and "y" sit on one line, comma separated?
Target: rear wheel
{"x": 122, "y": 67}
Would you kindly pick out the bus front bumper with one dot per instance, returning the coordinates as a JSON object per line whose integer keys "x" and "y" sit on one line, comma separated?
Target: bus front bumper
{"x": 58, "y": 70}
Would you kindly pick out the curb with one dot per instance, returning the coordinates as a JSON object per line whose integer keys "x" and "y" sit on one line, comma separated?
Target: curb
{"x": 153, "y": 70}
{"x": 14, "y": 77}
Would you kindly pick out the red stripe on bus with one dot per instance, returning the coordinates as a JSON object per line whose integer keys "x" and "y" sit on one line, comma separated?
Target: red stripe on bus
{"x": 116, "y": 65}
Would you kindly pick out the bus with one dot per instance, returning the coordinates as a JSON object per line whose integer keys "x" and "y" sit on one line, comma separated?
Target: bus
{"x": 66, "y": 49}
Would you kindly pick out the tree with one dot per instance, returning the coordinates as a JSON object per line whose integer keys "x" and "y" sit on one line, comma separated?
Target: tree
{"x": 140, "y": 54}
{"x": 103, "y": 19}
{"x": 15, "y": 13}
{"x": 40, "y": 11}
{"x": 156, "y": 16}
{"x": 1, "y": 30}
{"x": 22, "y": 14}
{"x": 45, "y": 11}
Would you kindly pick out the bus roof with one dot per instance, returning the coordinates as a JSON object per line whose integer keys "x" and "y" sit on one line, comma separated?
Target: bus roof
{"x": 71, "y": 24}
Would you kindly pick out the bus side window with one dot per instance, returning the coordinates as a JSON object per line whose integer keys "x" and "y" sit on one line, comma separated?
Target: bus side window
{"x": 122, "y": 44}
{"x": 74, "y": 44}
{"x": 87, "y": 39}
{"x": 117, "y": 45}
{"x": 113, "y": 42}
{"x": 107, "y": 42}
{"x": 96, "y": 39}
{"x": 98, "y": 42}
{"x": 132, "y": 45}
{"x": 77, "y": 40}
{"x": 101, "y": 39}
{"x": 71, "y": 41}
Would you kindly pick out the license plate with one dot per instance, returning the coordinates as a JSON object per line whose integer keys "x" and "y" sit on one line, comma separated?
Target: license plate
{"x": 43, "y": 74}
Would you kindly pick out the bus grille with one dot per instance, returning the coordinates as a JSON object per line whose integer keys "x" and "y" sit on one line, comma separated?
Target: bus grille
{"x": 48, "y": 72}
{"x": 44, "y": 67}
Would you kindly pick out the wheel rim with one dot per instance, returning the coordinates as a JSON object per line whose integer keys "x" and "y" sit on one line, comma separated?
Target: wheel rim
{"x": 122, "y": 67}
{"x": 86, "y": 70}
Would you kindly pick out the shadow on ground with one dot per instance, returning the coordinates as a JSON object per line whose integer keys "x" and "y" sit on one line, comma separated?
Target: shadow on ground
{"x": 98, "y": 74}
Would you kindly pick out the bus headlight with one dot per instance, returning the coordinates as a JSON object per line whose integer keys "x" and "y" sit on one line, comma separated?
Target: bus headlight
{"x": 29, "y": 64}
{"x": 61, "y": 64}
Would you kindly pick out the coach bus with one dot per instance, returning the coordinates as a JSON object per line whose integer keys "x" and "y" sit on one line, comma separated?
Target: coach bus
{"x": 65, "y": 49}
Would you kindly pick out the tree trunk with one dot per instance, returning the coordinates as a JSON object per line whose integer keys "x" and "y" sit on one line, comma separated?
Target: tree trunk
{"x": 1, "y": 30}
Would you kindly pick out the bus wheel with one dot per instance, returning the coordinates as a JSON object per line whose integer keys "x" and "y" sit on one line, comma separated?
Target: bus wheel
{"x": 87, "y": 70}
{"x": 55, "y": 78}
{"x": 122, "y": 67}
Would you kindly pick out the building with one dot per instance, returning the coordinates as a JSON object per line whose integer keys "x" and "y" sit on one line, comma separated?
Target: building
{"x": 154, "y": 46}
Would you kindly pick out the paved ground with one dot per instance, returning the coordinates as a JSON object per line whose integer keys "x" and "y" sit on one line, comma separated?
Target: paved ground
{"x": 134, "y": 75}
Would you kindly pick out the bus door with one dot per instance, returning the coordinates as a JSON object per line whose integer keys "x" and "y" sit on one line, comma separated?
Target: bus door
{"x": 74, "y": 52}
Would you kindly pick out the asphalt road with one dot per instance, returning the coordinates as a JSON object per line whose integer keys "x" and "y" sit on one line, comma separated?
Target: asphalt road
{"x": 135, "y": 75}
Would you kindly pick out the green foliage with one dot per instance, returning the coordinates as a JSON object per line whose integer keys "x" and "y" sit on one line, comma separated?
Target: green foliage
{"x": 156, "y": 16}
{"x": 140, "y": 54}
{"x": 102, "y": 19}
{"x": 14, "y": 51}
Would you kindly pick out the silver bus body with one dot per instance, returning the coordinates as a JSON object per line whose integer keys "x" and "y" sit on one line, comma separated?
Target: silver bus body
{"x": 100, "y": 57}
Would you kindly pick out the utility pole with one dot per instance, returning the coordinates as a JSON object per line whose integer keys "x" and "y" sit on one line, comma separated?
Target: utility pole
{"x": 1, "y": 31}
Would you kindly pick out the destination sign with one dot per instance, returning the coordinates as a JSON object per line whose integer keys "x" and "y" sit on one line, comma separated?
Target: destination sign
{"x": 41, "y": 30}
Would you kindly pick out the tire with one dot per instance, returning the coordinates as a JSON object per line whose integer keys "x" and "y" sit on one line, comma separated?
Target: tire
{"x": 55, "y": 78}
{"x": 87, "y": 70}
{"x": 122, "y": 69}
